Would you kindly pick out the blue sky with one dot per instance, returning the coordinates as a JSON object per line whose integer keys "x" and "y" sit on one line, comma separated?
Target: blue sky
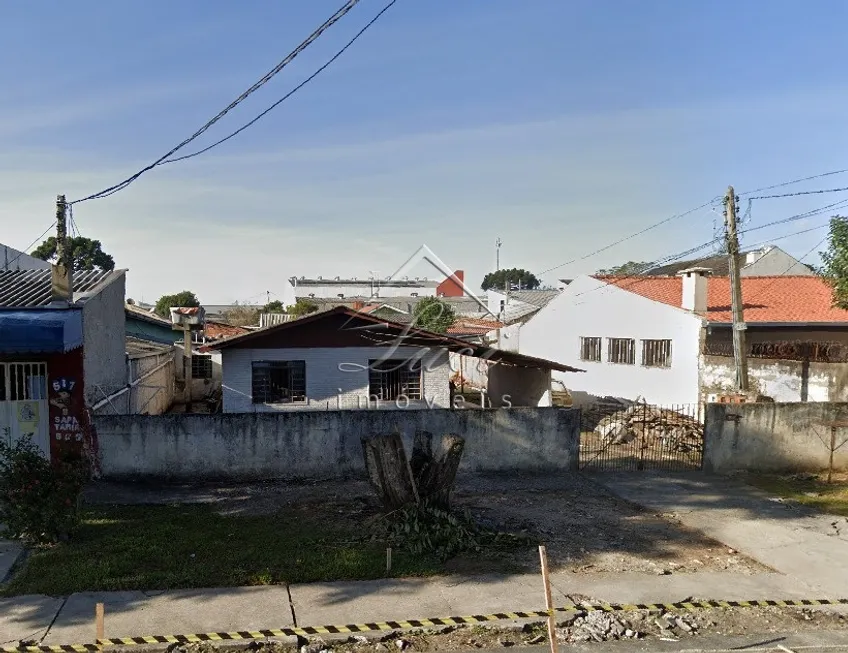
{"x": 557, "y": 126}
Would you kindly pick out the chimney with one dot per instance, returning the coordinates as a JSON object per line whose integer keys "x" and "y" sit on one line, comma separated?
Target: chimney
{"x": 452, "y": 286}
{"x": 695, "y": 282}
{"x": 358, "y": 305}
{"x": 61, "y": 277}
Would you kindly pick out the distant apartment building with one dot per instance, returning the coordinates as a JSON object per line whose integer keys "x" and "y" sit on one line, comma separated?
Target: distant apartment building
{"x": 339, "y": 288}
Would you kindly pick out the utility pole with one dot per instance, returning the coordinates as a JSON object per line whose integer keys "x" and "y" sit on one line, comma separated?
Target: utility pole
{"x": 62, "y": 282}
{"x": 498, "y": 244}
{"x": 740, "y": 351}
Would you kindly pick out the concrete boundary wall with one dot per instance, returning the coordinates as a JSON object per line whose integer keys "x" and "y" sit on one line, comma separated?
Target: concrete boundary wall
{"x": 326, "y": 444}
{"x": 774, "y": 437}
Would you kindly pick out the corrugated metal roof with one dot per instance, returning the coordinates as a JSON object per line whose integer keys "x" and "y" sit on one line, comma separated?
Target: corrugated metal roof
{"x": 134, "y": 311}
{"x": 397, "y": 333}
{"x": 539, "y": 298}
{"x": 32, "y": 288}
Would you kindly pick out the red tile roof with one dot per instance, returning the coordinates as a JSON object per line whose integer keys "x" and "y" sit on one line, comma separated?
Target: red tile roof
{"x": 779, "y": 299}
{"x": 472, "y": 326}
{"x": 219, "y": 330}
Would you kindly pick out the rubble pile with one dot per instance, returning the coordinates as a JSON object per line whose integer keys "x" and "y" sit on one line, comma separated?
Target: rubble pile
{"x": 599, "y": 626}
{"x": 652, "y": 425}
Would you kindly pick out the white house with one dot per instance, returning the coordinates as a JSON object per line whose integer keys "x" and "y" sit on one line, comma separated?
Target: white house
{"x": 13, "y": 260}
{"x": 765, "y": 261}
{"x": 667, "y": 340}
{"x": 342, "y": 359}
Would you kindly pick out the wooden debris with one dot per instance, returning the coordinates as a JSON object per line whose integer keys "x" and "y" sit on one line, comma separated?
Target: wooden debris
{"x": 651, "y": 424}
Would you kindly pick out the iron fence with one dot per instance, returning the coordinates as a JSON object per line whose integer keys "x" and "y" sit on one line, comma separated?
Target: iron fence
{"x": 641, "y": 436}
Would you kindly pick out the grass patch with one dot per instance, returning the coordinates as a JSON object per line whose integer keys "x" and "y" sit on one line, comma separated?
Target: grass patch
{"x": 169, "y": 547}
{"x": 809, "y": 489}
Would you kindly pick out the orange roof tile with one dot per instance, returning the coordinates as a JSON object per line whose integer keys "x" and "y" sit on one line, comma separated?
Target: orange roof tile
{"x": 473, "y": 326}
{"x": 219, "y": 330}
{"x": 778, "y": 299}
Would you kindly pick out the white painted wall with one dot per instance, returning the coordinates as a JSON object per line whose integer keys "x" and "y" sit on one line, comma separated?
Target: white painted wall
{"x": 780, "y": 380}
{"x": 510, "y": 337}
{"x": 13, "y": 259}
{"x": 327, "y": 386}
{"x": 104, "y": 341}
{"x": 590, "y": 308}
{"x": 775, "y": 262}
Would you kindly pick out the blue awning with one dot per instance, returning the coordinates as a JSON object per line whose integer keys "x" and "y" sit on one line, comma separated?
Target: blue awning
{"x": 40, "y": 331}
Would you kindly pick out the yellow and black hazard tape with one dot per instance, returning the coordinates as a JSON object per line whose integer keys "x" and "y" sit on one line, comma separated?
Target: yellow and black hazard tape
{"x": 403, "y": 625}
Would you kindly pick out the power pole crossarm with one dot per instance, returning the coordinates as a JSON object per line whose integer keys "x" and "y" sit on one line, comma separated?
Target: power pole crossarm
{"x": 740, "y": 352}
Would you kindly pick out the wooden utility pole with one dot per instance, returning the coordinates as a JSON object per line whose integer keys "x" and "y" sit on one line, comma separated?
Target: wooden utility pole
{"x": 62, "y": 282}
{"x": 740, "y": 352}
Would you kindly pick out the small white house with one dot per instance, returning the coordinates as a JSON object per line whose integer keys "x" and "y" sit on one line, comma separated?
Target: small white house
{"x": 342, "y": 359}
{"x": 667, "y": 339}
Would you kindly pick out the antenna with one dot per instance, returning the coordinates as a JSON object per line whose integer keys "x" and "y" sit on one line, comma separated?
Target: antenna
{"x": 498, "y": 244}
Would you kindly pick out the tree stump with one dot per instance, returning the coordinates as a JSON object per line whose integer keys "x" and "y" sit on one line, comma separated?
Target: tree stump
{"x": 434, "y": 463}
{"x": 388, "y": 470}
{"x": 429, "y": 475}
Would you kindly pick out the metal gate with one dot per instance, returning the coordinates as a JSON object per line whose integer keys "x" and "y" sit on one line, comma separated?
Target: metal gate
{"x": 618, "y": 437}
{"x": 24, "y": 411}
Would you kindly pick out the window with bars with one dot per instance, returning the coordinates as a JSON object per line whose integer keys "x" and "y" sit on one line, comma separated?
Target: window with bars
{"x": 23, "y": 381}
{"x": 201, "y": 366}
{"x": 656, "y": 353}
{"x": 621, "y": 351}
{"x": 590, "y": 349}
{"x": 389, "y": 379}
{"x": 278, "y": 382}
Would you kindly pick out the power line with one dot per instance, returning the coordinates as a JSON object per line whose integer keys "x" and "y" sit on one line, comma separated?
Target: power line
{"x": 340, "y": 13}
{"x": 290, "y": 93}
{"x": 631, "y": 236}
{"x": 639, "y": 277}
{"x": 799, "y": 216}
{"x": 803, "y": 192}
{"x": 794, "y": 181}
{"x": 32, "y": 244}
{"x": 789, "y": 269}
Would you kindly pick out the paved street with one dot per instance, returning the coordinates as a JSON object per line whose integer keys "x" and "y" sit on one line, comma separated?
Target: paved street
{"x": 810, "y": 642}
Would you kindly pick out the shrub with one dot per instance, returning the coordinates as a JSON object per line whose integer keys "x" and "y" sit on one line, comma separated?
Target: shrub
{"x": 39, "y": 499}
{"x": 429, "y": 529}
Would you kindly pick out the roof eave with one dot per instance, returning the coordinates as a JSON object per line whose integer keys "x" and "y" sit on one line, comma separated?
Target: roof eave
{"x": 843, "y": 325}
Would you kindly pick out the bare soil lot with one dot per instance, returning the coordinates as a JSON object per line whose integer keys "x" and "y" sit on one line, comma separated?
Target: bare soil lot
{"x": 585, "y": 528}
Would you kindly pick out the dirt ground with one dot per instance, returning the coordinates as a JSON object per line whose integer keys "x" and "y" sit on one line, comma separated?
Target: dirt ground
{"x": 585, "y": 528}
{"x": 576, "y": 628}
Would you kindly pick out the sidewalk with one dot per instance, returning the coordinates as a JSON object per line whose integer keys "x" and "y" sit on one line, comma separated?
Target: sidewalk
{"x": 806, "y": 552}
{"x": 71, "y": 620}
{"x": 9, "y": 554}
{"x": 791, "y": 539}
